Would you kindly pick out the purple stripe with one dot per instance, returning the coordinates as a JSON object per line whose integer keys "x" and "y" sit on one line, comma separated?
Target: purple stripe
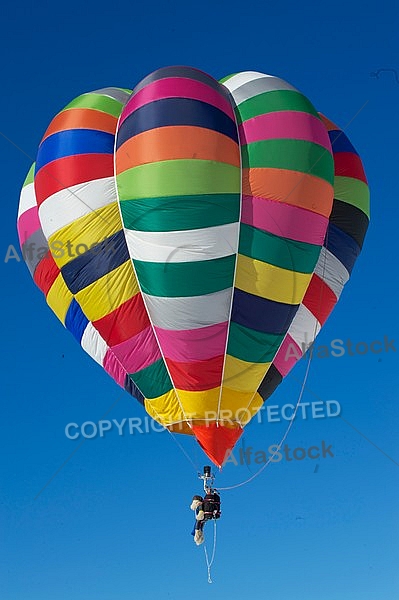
{"x": 177, "y": 88}
{"x": 286, "y": 124}
{"x": 284, "y": 220}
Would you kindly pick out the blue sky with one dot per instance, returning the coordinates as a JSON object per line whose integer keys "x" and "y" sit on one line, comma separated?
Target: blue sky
{"x": 114, "y": 521}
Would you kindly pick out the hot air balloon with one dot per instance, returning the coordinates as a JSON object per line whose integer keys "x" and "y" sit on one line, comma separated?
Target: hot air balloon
{"x": 197, "y": 235}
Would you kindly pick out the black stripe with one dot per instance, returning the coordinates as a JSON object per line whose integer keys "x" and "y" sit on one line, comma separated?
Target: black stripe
{"x": 350, "y": 219}
{"x": 271, "y": 380}
{"x": 176, "y": 111}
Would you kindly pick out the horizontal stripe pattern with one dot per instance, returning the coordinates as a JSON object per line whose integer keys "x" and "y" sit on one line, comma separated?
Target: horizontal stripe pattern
{"x": 183, "y": 246}
{"x": 344, "y": 238}
{"x": 176, "y": 111}
{"x": 178, "y": 179}
{"x": 95, "y": 292}
{"x": 199, "y": 282}
{"x": 73, "y": 142}
{"x": 287, "y": 179}
{"x": 32, "y": 240}
{"x": 175, "y": 87}
{"x": 179, "y": 213}
{"x": 178, "y": 142}
{"x": 289, "y": 125}
{"x": 193, "y": 312}
{"x": 284, "y": 220}
{"x": 72, "y": 203}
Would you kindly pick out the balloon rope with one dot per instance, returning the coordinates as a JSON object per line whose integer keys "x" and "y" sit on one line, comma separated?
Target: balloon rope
{"x": 197, "y": 469}
{"x": 210, "y": 562}
{"x": 232, "y": 487}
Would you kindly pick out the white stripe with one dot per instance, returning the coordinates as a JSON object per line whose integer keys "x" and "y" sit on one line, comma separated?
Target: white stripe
{"x": 331, "y": 271}
{"x": 241, "y": 78}
{"x": 114, "y": 93}
{"x": 94, "y": 344}
{"x": 304, "y": 328}
{"x": 260, "y": 86}
{"x": 68, "y": 205}
{"x": 183, "y": 246}
{"x": 193, "y": 312}
{"x": 27, "y": 199}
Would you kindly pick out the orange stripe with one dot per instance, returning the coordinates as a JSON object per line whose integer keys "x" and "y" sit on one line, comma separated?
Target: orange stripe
{"x": 82, "y": 118}
{"x": 330, "y": 126}
{"x": 177, "y": 142}
{"x": 290, "y": 187}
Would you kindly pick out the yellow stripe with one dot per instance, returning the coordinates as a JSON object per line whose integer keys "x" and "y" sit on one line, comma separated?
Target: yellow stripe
{"x": 197, "y": 404}
{"x": 107, "y": 293}
{"x": 243, "y": 376}
{"x": 202, "y": 406}
{"x": 242, "y": 405}
{"x": 165, "y": 409}
{"x": 271, "y": 282}
{"x": 59, "y": 298}
{"x": 88, "y": 231}
{"x": 256, "y": 404}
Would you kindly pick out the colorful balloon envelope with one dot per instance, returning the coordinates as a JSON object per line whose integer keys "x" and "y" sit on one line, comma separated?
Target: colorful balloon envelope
{"x": 194, "y": 237}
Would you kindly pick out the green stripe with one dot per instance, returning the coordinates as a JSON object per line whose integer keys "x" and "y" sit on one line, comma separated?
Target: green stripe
{"x": 353, "y": 191}
{"x": 295, "y": 256}
{"x": 273, "y": 102}
{"x": 294, "y": 155}
{"x": 153, "y": 381}
{"x": 183, "y": 177}
{"x": 173, "y": 280}
{"x": 98, "y": 102}
{"x": 252, "y": 346}
{"x": 30, "y": 176}
{"x": 180, "y": 213}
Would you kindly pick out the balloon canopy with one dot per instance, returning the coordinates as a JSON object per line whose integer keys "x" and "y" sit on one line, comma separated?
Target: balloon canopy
{"x": 194, "y": 236}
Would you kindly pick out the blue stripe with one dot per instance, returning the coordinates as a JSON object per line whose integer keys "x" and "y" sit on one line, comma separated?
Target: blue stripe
{"x": 176, "y": 111}
{"x": 261, "y": 314}
{"x": 75, "y": 320}
{"x": 343, "y": 246}
{"x": 72, "y": 142}
{"x": 339, "y": 142}
{"x": 133, "y": 390}
{"x": 95, "y": 262}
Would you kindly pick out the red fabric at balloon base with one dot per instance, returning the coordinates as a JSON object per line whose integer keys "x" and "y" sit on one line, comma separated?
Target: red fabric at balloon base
{"x": 217, "y": 440}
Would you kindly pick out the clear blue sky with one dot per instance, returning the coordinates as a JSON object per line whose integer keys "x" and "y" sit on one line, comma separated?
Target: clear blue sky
{"x": 114, "y": 523}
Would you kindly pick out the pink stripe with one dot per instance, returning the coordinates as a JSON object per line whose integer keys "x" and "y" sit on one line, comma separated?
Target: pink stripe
{"x": 28, "y": 223}
{"x": 284, "y": 220}
{"x": 193, "y": 344}
{"x": 177, "y": 87}
{"x": 285, "y": 124}
{"x": 137, "y": 352}
{"x": 287, "y": 356}
{"x": 114, "y": 368}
